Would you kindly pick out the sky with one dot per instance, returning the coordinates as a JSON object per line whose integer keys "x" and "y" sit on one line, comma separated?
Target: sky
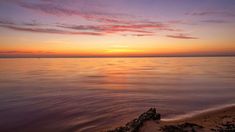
{"x": 70, "y": 28}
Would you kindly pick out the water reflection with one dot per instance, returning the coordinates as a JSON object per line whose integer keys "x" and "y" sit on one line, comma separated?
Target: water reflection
{"x": 84, "y": 94}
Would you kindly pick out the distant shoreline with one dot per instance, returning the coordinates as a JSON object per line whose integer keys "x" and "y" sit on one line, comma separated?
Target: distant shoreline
{"x": 41, "y": 57}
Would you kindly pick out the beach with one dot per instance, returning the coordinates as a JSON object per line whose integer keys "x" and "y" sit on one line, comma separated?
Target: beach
{"x": 219, "y": 120}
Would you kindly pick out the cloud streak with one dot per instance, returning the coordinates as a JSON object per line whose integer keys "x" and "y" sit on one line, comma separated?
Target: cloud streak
{"x": 181, "y": 36}
{"x": 25, "y": 52}
{"x": 28, "y": 27}
{"x": 212, "y": 13}
{"x": 51, "y": 8}
{"x": 143, "y": 28}
{"x": 215, "y": 21}
{"x": 104, "y": 23}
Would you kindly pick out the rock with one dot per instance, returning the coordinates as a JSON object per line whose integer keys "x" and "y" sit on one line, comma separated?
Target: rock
{"x": 134, "y": 125}
{"x": 185, "y": 127}
{"x": 225, "y": 127}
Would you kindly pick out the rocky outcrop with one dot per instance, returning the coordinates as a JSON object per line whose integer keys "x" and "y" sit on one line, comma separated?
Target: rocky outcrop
{"x": 225, "y": 127}
{"x": 134, "y": 125}
{"x": 185, "y": 127}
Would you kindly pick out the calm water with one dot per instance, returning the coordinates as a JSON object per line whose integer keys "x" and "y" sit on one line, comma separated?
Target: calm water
{"x": 93, "y": 94}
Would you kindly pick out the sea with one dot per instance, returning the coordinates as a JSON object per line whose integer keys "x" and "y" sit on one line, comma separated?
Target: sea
{"x": 99, "y": 94}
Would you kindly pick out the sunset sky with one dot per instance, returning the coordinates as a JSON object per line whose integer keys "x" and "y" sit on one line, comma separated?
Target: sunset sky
{"x": 65, "y": 28}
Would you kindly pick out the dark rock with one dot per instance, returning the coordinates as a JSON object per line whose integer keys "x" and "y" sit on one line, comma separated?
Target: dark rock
{"x": 186, "y": 127}
{"x": 226, "y": 127}
{"x": 134, "y": 125}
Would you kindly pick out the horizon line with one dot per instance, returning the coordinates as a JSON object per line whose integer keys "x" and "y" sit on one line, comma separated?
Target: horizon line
{"x": 152, "y": 56}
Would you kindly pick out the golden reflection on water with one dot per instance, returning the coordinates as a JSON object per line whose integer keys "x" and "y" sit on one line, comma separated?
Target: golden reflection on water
{"x": 84, "y": 94}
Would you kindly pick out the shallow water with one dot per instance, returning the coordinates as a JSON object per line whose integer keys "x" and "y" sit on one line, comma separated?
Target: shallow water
{"x": 93, "y": 94}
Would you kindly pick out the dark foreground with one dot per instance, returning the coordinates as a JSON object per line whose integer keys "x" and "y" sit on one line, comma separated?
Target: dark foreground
{"x": 222, "y": 120}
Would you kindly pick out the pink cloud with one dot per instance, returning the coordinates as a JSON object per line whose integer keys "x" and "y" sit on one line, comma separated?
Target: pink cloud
{"x": 105, "y": 22}
{"x": 181, "y": 36}
{"x": 60, "y": 10}
{"x": 142, "y": 28}
{"x": 48, "y": 30}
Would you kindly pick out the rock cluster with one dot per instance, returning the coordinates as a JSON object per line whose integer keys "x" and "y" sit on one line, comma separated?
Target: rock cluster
{"x": 225, "y": 127}
{"x": 134, "y": 125}
{"x": 185, "y": 127}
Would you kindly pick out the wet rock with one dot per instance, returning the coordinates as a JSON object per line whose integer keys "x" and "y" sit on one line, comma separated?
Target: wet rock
{"x": 186, "y": 127}
{"x": 134, "y": 125}
{"x": 225, "y": 127}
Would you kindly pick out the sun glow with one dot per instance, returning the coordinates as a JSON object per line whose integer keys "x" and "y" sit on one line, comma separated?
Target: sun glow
{"x": 123, "y": 51}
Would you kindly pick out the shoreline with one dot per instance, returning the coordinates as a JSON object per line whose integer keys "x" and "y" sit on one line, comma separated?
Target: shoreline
{"x": 198, "y": 113}
{"x": 215, "y": 119}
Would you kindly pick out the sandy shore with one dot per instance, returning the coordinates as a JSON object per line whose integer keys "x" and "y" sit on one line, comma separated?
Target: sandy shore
{"x": 222, "y": 119}
{"x": 217, "y": 120}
